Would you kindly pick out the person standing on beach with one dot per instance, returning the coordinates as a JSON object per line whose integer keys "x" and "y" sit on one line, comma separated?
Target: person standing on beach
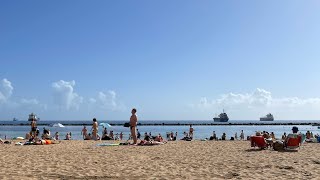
{"x": 133, "y": 125}
{"x": 84, "y": 132}
{"x": 138, "y": 134}
{"x": 95, "y": 129}
{"x": 121, "y": 136}
{"x": 33, "y": 128}
{"x": 242, "y": 135}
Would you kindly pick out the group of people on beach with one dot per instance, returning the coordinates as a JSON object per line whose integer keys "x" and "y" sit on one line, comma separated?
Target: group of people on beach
{"x": 46, "y": 138}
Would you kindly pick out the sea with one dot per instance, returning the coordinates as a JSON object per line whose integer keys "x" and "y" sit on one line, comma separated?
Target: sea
{"x": 202, "y": 128}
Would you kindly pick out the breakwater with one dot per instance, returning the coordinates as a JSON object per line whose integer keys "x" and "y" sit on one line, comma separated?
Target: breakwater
{"x": 86, "y": 123}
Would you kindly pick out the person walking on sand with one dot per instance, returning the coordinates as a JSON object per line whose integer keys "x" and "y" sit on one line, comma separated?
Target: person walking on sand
{"x": 95, "y": 129}
{"x": 133, "y": 125}
{"x": 84, "y": 132}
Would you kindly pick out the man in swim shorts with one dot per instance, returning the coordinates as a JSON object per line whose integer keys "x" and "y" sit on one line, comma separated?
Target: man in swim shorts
{"x": 133, "y": 125}
{"x": 33, "y": 128}
{"x": 95, "y": 129}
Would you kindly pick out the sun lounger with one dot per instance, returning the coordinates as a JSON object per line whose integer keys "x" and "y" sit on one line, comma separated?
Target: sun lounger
{"x": 293, "y": 143}
{"x": 258, "y": 141}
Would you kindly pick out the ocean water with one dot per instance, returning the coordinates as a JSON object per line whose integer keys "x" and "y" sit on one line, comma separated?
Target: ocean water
{"x": 201, "y": 132}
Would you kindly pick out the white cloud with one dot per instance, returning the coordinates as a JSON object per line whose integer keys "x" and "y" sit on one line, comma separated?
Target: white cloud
{"x": 64, "y": 95}
{"x": 255, "y": 104}
{"x": 107, "y": 101}
{"x": 6, "y": 90}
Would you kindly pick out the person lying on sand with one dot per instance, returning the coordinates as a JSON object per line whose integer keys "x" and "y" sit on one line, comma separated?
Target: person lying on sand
{"x": 149, "y": 143}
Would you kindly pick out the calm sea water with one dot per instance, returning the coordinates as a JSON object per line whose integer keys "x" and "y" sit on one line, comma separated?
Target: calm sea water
{"x": 201, "y": 132}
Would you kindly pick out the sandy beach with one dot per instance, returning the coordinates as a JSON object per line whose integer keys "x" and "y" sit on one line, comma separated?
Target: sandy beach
{"x": 174, "y": 160}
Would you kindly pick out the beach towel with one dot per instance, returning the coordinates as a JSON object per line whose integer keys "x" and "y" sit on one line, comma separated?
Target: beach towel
{"x": 109, "y": 144}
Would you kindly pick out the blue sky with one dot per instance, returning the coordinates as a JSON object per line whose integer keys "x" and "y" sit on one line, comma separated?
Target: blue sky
{"x": 169, "y": 59}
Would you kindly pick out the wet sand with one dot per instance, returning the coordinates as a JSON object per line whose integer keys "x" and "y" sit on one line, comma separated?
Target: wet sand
{"x": 174, "y": 160}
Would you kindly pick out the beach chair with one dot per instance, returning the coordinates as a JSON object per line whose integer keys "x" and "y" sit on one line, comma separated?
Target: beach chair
{"x": 293, "y": 143}
{"x": 258, "y": 141}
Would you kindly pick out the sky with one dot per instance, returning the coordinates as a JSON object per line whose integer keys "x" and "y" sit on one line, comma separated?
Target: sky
{"x": 172, "y": 60}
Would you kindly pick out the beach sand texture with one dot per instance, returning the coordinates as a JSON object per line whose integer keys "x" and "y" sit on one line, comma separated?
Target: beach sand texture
{"x": 174, "y": 160}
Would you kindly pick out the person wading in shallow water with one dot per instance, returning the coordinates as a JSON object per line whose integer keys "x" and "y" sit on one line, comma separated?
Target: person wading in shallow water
{"x": 133, "y": 125}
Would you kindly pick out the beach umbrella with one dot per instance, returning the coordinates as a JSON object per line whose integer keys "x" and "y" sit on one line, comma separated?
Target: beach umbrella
{"x": 105, "y": 124}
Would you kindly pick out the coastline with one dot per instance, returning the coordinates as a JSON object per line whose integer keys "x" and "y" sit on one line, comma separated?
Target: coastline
{"x": 176, "y": 124}
{"x": 174, "y": 160}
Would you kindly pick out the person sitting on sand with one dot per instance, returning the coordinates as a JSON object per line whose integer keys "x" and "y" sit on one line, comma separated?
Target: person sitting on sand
{"x": 88, "y": 137}
{"x": 84, "y": 132}
{"x": 46, "y": 134}
{"x": 223, "y": 137}
{"x": 284, "y": 136}
{"x": 308, "y": 135}
{"x": 279, "y": 145}
{"x": 28, "y": 136}
{"x": 147, "y": 137}
{"x": 272, "y": 136}
{"x": 68, "y": 137}
{"x": 266, "y": 135}
{"x": 214, "y": 136}
{"x": 104, "y": 132}
{"x": 111, "y": 135}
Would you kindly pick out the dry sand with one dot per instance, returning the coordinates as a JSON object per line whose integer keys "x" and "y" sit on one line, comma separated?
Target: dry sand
{"x": 174, "y": 160}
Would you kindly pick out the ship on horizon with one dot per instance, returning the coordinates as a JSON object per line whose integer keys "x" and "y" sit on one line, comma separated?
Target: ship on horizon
{"x": 32, "y": 117}
{"x": 268, "y": 117}
{"x": 223, "y": 117}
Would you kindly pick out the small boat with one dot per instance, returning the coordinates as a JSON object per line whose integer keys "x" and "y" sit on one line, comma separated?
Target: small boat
{"x": 32, "y": 117}
{"x": 15, "y": 119}
{"x": 56, "y": 125}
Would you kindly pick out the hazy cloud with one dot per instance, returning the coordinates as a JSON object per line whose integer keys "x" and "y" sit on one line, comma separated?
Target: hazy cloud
{"x": 64, "y": 95}
{"x": 107, "y": 101}
{"x": 6, "y": 90}
{"x": 260, "y": 102}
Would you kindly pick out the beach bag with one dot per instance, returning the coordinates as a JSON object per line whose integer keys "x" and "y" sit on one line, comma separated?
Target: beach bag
{"x": 278, "y": 146}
